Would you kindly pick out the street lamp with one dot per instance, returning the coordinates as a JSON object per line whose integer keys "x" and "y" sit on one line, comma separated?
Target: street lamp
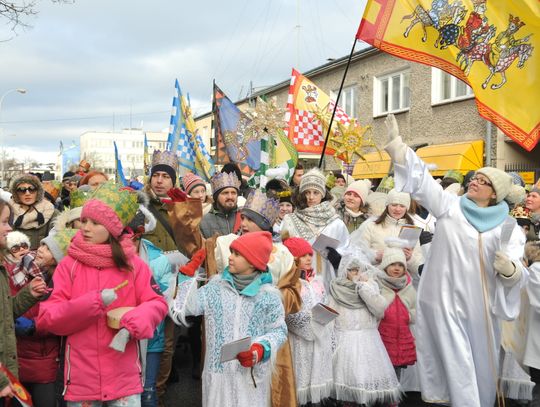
{"x": 22, "y": 91}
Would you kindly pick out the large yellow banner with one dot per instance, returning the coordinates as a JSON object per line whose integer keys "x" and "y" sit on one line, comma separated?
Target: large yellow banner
{"x": 492, "y": 45}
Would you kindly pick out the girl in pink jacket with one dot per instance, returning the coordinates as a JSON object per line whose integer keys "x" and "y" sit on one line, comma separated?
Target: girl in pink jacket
{"x": 102, "y": 272}
{"x": 396, "y": 287}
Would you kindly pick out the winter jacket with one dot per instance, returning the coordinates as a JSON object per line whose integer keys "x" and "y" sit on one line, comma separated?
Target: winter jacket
{"x": 218, "y": 222}
{"x": 12, "y": 307}
{"x": 395, "y": 326}
{"x": 93, "y": 370}
{"x": 36, "y": 235}
{"x": 350, "y": 221}
{"x": 38, "y": 353}
{"x": 255, "y": 312}
{"x": 162, "y": 272}
{"x": 159, "y": 236}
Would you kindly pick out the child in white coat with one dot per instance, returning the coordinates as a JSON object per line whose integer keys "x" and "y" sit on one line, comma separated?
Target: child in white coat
{"x": 311, "y": 342}
{"x": 240, "y": 302}
{"x": 363, "y": 372}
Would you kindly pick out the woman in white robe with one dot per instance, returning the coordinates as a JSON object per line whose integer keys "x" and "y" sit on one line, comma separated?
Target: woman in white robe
{"x": 471, "y": 279}
{"x": 315, "y": 215}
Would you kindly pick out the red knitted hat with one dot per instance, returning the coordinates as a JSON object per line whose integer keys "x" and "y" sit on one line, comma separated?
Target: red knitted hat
{"x": 256, "y": 247}
{"x": 297, "y": 246}
{"x": 99, "y": 212}
{"x": 190, "y": 181}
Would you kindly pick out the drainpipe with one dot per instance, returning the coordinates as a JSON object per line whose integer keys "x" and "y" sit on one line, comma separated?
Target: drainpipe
{"x": 488, "y": 143}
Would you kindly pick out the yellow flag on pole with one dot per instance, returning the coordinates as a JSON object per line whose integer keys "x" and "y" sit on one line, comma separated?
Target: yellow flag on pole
{"x": 492, "y": 45}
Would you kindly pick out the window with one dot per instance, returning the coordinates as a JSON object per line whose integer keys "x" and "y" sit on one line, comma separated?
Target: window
{"x": 447, "y": 88}
{"x": 347, "y": 99}
{"x": 391, "y": 93}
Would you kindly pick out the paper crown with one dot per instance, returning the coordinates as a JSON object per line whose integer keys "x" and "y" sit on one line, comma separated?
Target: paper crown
{"x": 165, "y": 158}
{"x": 223, "y": 180}
{"x": 257, "y": 201}
{"x": 77, "y": 198}
{"x": 454, "y": 174}
{"x": 520, "y": 212}
{"x": 387, "y": 183}
{"x": 122, "y": 202}
{"x": 62, "y": 240}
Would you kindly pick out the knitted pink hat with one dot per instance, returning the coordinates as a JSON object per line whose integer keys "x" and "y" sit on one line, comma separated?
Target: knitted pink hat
{"x": 256, "y": 247}
{"x": 190, "y": 181}
{"x": 100, "y": 213}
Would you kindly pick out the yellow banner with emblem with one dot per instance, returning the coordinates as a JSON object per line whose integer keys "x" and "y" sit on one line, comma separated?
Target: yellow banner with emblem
{"x": 492, "y": 45}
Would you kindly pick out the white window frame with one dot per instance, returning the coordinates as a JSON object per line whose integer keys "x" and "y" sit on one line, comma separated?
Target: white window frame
{"x": 349, "y": 92}
{"x": 377, "y": 93}
{"x": 437, "y": 76}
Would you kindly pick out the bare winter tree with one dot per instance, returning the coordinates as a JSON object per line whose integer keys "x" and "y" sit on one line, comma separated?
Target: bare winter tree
{"x": 15, "y": 14}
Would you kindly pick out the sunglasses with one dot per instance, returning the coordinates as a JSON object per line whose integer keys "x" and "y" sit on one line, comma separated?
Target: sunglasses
{"x": 18, "y": 247}
{"x": 25, "y": 190}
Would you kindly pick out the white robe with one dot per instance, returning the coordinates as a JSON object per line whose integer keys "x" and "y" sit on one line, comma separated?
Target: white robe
{"x": 457, "y": 348}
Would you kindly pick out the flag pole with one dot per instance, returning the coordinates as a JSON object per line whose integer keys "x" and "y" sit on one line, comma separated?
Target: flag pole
{"x": 214, "y": 124}
{"x": 336, "y": 103}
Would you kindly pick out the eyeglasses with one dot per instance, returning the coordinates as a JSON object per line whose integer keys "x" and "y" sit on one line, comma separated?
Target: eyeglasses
{"x": 25, "y": 190}
{"x": 481, "y": 181}
{"x": 18, "y": 247}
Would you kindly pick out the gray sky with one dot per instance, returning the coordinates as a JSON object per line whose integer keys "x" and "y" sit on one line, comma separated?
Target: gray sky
{"x": 84, "y": 62}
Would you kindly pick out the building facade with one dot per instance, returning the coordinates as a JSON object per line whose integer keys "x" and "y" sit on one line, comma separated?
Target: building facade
{"x": 432, "y": 108}
{"x": 98, "y": 149}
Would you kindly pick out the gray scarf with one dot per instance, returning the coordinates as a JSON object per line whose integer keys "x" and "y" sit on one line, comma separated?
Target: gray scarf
{"x": 241, "y": 282}
{"x": 310, "y": 221}
{"x": 395, "y": 283}
{"x": 344, "y": 292}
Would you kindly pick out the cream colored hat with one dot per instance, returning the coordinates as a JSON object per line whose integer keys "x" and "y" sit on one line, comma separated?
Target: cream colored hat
{"x": 392, "y": 255}
{"x": 398, "y": 198}
{"x": 500, "y": 180}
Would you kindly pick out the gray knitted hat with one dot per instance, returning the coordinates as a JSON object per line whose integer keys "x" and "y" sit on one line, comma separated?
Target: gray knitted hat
{"x": 313, "y": 179}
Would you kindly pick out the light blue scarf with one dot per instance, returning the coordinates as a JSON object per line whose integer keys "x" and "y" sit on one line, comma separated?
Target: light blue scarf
{"x": 483, "y": 219}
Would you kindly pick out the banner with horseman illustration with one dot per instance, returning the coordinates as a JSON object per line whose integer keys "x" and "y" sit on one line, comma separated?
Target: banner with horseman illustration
{"x": 492, "y": 45}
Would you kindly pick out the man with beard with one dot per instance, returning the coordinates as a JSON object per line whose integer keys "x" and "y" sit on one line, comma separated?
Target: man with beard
{"x": 162, "y": 178}
{"x": 223, "y": 217}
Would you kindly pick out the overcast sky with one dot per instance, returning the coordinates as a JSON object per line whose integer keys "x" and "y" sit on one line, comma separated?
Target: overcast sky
{"x": 87, "y": 62}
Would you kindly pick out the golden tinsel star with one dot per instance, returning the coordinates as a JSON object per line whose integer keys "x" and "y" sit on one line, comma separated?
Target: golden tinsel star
{"x": 346, "y": 140}
{"x": 266, "y": 119}
{"x": 350, "y": 140}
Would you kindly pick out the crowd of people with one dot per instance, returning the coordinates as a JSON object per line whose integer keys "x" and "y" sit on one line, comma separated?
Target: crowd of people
{"x": 303, "y": 292}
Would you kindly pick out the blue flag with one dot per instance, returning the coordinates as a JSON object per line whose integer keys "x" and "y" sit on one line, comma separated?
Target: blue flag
{"x": 178, "y": 139}
{"x": 231, "y": 131}
{"x": 70, "y": 156}
{"x": 119, "y": 177}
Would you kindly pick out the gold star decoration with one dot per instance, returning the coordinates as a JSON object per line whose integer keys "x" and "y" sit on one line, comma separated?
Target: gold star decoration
{"x": 350, "y": 140}
{"x": 266, "y": 119}
{"x": 346, "y": 140}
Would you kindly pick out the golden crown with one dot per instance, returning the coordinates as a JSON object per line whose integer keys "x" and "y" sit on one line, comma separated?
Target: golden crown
{"x": 224, "y": 180}
{"x": 267, "y": 207}
{"x": 168, "y": 158}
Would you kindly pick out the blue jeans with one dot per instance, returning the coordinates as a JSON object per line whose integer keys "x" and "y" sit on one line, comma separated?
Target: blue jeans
{"x": 149, "y": 395}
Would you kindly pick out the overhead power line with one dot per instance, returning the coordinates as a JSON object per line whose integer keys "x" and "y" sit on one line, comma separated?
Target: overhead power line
{"x": 84, "y": 118}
